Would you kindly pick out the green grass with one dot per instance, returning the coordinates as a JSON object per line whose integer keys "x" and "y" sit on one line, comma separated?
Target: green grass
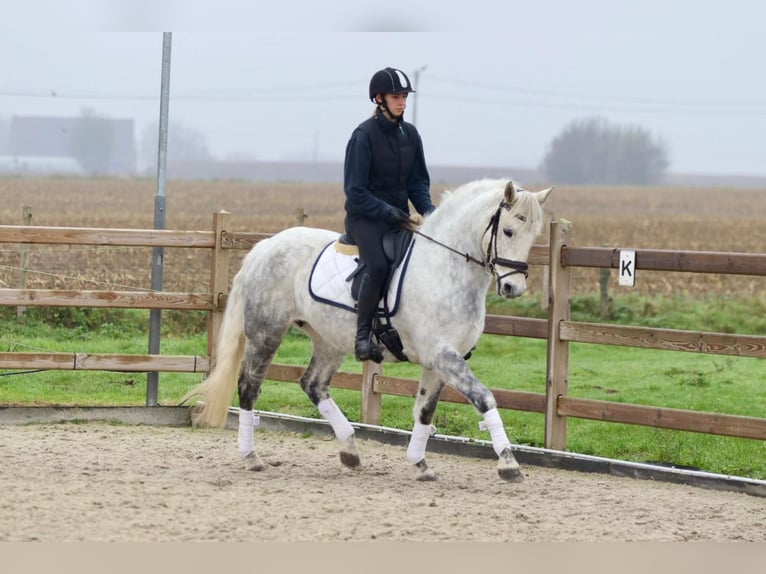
{"x": 711, "y": 383}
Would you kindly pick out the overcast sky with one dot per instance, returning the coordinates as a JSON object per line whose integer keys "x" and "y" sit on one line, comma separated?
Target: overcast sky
{"x": 498, "y": 81}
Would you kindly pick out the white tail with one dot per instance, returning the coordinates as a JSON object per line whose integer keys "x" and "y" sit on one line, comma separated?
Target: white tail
{"x": 216, "y": 391}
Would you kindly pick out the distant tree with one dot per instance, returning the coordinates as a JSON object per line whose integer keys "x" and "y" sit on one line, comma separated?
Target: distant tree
{"x": 93, "y": 142}
{"x": 184, "y": 144}
{"x": 595, "y": 151}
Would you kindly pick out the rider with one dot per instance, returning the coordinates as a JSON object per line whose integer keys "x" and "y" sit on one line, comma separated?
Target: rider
{"x": 384, "y": 169}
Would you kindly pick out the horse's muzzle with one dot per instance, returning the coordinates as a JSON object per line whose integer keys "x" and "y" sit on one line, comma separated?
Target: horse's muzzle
{"x": 510, "y": 290}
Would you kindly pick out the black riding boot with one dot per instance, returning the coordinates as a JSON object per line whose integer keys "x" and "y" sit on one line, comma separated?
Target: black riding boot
{"x": 367, "y": 305}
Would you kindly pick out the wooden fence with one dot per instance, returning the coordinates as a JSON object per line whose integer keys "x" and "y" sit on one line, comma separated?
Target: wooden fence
{"x": 559, "y": 257}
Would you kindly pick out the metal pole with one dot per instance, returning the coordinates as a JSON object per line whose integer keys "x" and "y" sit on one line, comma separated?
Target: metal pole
{"x": 158, "y": 253}
{"x": 416, "y": 76}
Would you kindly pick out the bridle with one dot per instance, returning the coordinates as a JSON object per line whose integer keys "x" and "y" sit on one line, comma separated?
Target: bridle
{"x": 489, "y": 262}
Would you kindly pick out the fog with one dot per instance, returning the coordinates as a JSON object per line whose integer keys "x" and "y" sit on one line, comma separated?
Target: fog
{"x": 496, "y": 81}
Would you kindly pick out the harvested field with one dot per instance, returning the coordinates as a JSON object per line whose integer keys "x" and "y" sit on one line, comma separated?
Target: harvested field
{"x": 699, "y": 219}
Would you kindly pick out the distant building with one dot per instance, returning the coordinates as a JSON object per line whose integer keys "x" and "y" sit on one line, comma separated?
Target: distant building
{"x": 102, "y": 146}
{"x": 39, "y": 165}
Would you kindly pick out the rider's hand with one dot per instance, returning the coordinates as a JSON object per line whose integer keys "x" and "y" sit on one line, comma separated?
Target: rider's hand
{"x": 398, "y": 217}
{"x": 416, "y": 220}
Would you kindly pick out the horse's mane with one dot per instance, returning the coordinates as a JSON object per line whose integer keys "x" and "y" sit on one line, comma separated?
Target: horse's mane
{"x": 472, "y": 187}
{"x": 456, "y": 198}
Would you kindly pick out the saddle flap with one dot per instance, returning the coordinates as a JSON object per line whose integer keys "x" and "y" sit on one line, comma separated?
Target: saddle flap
{"x": 395, "y": 244}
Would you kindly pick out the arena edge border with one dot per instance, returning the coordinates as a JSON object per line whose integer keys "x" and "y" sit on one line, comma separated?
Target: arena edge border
{"x": 445, "y": 444}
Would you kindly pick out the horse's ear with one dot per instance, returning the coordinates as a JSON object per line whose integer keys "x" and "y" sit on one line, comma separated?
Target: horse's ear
{"x": 510, "y": 192}
{"x": 543, "y": 194}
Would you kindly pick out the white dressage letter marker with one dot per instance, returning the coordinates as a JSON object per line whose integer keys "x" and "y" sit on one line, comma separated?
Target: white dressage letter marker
{"x": 627, "y": 267}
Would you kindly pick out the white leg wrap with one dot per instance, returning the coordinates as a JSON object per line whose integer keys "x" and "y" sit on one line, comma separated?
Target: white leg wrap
{"x": 336, "y": 418}
{"x": 416, "y": 451}
{"x": 247, "y": 422}
{"x": 494, "y": 424}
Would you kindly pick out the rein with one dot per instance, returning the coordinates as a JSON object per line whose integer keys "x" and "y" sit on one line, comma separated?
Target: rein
{"x": 489, "y": 263}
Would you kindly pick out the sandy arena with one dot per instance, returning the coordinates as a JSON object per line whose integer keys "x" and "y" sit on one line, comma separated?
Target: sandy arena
{"x": 102, "y": 482}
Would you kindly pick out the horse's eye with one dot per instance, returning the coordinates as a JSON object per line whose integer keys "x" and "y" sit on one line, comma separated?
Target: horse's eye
{"x": 508, "y": 231}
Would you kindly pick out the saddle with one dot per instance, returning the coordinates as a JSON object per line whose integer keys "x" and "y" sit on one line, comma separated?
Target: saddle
{"x": 396, "y": 247}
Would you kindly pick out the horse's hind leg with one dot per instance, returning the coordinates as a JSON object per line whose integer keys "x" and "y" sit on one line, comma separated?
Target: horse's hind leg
{"x": 315, "y": 382}
{"x": 429, "y": 390}
{"x": 258, "y": 355}
{"x": 455, "y": 371}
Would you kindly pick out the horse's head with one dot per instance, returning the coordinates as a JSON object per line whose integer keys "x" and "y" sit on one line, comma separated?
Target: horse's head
{"x": 508, "y": 238}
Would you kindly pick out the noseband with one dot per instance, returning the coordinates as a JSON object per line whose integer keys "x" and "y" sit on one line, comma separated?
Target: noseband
{"x": 490, "y": 263}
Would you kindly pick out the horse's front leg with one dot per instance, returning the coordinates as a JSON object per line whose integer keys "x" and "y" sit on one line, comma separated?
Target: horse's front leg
{"x": 429, "y": 390}
{"x": 454, "y": 370}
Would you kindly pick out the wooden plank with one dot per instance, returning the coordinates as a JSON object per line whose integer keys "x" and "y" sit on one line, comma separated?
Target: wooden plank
{"x": 659, "y": 417}
{"x": 105, "y": 236}
{"x": 539, "y": 255}
{"x": 241, "y": 239}
{"x": 141, "y": 363}
{"x": 104, "y": 362}
{"x": 293, "y": 373}
{"x": 506, "y": 399}
{"x": 286, "y": 373}
{"x": 44, "y": 361}
{"x": 557, "y": 360}
{"x": 520, "y": 400}
{"x": 667, "y": 339}
{"x": 372, "y": 401}
{"x": 348, "y": 381}
{"x": 111, "y": 299}
{"x": 219, "y": 285}
{"x": 666, "y": 260}
{"x": 516, "y": 326}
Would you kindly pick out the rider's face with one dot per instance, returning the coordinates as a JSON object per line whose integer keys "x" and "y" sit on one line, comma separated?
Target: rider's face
{"x": 396, "y": 103}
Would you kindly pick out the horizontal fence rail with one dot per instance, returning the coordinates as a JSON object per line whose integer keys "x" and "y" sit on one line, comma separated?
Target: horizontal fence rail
{"x": 97, "y": 236}
{"x": 668, "y": 339}
{"x": 105, "y": 362}
{"x": 106, "y": 299}
{"x": 558, "y": 330}
{"x": 662, "y": 260}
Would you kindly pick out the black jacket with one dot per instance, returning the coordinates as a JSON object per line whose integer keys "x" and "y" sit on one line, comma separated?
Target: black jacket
{"x": 385, "y": 166}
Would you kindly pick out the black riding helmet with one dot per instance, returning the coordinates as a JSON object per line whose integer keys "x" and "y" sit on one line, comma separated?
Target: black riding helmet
{"x": 389, "y": 81}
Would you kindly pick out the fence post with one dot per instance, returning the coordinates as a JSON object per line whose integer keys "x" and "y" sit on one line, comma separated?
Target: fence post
{"x": 219, "y": 283}
{"x": 371, "y": 401}
{"x": 24, "y": 265}
{"x": 301, "y": 216}
{"x": 558, "y": 350}
{"x": 603, "y": 282}
{"x": 545, "y": 276}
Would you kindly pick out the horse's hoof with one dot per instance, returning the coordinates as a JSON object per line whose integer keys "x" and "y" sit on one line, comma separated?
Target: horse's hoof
{"x": 350, "y": 459}
{"x": 507, "y": 467}
{"x": 424, "y": 473}
{"x": 427, "y": 476}
{"x": 349, "y": 454}
{"x": 254, "y": 463}
{"x": 511, "y": 474}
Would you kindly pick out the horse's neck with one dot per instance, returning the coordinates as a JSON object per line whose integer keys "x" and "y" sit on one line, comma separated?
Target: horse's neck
{"x": 459, "y": 231}
{"x": 461, "y": 226}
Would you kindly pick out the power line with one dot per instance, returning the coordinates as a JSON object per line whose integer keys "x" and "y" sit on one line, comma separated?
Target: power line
{"x": 594, "y": 107}
{"x": 287, "y": 93}
{"x": 550, "y": 99}
{"x": 620, "y": 100}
